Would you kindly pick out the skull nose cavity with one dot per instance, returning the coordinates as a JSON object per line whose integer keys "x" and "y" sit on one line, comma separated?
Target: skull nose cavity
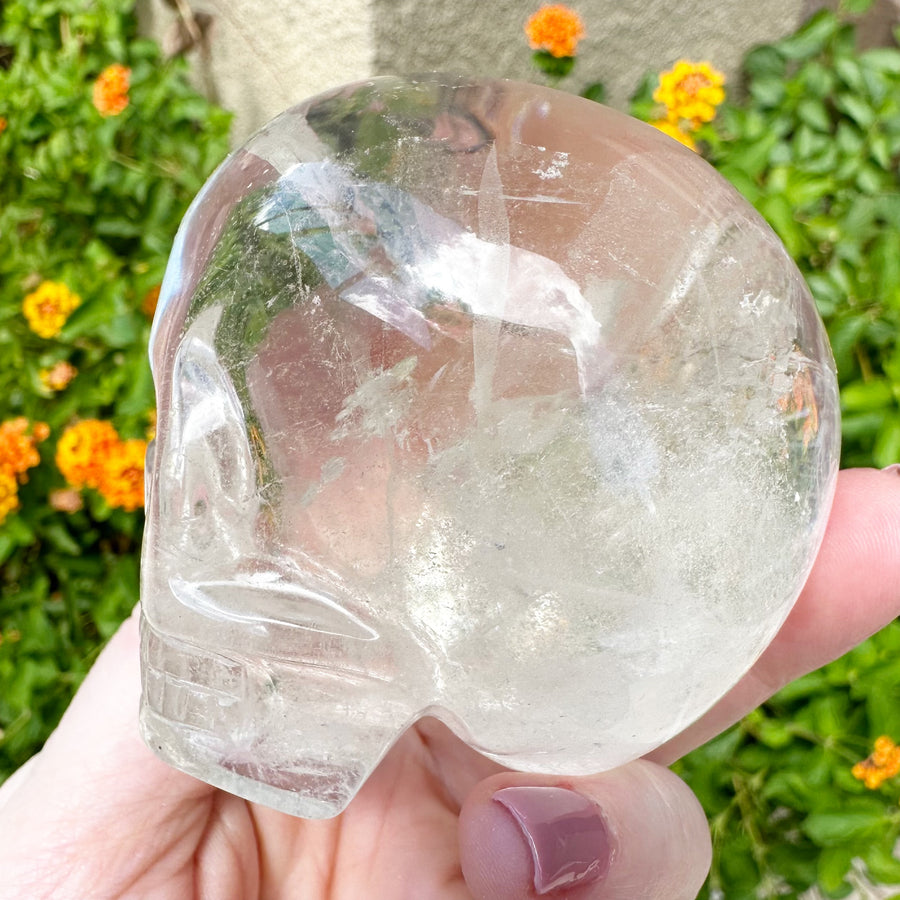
{"x": 298, "y": 737}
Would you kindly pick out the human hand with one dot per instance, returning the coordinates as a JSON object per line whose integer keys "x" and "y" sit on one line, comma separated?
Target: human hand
{"x": 95, "y": 816}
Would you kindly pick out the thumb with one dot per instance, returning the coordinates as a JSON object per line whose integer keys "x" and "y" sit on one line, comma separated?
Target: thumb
{"x": 636, "y": 831}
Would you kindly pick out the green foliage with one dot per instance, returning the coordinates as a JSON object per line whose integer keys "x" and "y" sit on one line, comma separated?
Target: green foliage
{"x": 554, "y": 67}
{"x": 595, "y": 91}
{"x": 815, "y": 148}
{"x": 785, "y": 811}
{"x": 91, "y": 201}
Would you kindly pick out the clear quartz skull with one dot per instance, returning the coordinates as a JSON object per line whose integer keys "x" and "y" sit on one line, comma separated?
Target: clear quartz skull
{"x": 476, "y": 400}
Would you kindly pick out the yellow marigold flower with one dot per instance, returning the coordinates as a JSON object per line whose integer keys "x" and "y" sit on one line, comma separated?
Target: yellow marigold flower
{"x": 9, "y": 494}
{"x": 122, "y": 483}
{"x": 882, "y": 764}
{"x": 691, "y": 91}
{"x": 47, "y": 308}
{"x": 674, "y": 130}
{"x": 83, "y": 451}
{"x": 111, "y": 90}
{"x": 556, "y": 29}
{"x": 150, "y": 301}
{"x": 58, "y": 377}
{"x": 18, "y": 446}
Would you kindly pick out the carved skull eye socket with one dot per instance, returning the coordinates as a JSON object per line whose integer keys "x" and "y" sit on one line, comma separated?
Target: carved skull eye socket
{"x": 476, "y": 400}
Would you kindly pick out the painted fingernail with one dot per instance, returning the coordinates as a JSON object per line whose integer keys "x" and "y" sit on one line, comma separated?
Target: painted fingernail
{"x": 568, "y": 837}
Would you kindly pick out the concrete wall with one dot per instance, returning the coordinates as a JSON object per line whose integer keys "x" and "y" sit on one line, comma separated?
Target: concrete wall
{"x": 260, "y": 56}
{"x": 625, "y": 38}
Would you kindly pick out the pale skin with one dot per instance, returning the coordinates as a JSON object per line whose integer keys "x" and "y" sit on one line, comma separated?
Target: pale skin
{"x": 95, "y": 816}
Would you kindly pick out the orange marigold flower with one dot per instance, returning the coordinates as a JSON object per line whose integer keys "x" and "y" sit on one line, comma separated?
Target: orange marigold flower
{"x": 91, "y": 454}
{"x": 9, "y": 494}
{"x": 674, "y": 130}
{"x": 122, "y": 483}
{"x": 111, "y": 90}
{"x": 691, "y": 91}
{"x": 882, "y": 764}
{"x": 58, "y": 377}
{"x": 3, "y": 124}
{"x": 66, "y": 500}
{"x": 83, "y": 451}
{"x": 151, "y": 299}
{"x": 556, "y": 29}
{"x": 47, "y": 308}
{"x": 18, "y": 446}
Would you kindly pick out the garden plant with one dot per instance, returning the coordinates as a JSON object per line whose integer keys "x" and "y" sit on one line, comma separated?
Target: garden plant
{"x": 103, "y": 143}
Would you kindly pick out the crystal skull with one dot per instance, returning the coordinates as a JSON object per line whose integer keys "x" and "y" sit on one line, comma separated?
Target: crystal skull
{"x": 476, "y": 400}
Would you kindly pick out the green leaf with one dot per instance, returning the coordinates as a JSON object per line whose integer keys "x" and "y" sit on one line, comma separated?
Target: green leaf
{"x": 869, "y": 179}
{"x": 117, "y": 228}
{"x": 779, "y": 213}
{"x": 882, "y": 59}
{"x": 856, "y": 108}
{"x": 857, "y": 427}
{"x": 818, "y": 79}
{"x": 811, "y": 39}
{"x": 813, "y": 113}
{"x": 59, "y": 538}
{"x": 595, "y": 92}
{"x": 767, "y": 91}
{"x": 849, "y": 71}
{"x": 883, "y": 867}
{"x": 886, "y": 451}
{"x": 857, "y": 820}
{"x": 792, "y": 790}
{"x": 773, "y": 733}
{"x": 555, "y": 67}
{"x": 883, "y": 708}
{"x": 764, "y": 61}
{"x": 7, "y": 545}
{"x": 862, "y": 396}
{"x": 834, "y": 865}
{"x": 881, "y": 150}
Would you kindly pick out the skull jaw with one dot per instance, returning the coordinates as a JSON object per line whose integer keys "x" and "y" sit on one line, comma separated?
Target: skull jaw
{"x": 296, "y": 737}
{"x": 310, "y": 790}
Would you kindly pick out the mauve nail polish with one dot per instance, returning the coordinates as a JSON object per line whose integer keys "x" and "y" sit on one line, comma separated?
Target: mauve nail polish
{"x": 569, "y": 840}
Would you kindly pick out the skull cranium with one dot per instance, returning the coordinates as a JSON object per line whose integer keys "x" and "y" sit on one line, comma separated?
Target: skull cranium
{"x": 476, "y": 400}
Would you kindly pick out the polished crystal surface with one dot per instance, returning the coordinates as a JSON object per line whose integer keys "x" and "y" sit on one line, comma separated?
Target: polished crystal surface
{"x": 476, "y": 400}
